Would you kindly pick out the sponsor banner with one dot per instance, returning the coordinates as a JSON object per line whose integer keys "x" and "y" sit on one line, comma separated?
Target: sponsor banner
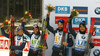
{"x": 96, "y": 42}
{"x": 81, "y": 10}
{"x": 97, "y": 32}
{"x": 97, "y": 21}
{"x": 77, "y": 20}
{"x": 60, "y": 17}
{"x": 4, "y": 44}
{"x": 26, "y": 48}
{"x": 62, "y": 9}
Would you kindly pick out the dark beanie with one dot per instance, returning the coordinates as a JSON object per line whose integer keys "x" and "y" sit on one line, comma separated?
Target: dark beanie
{"x": 82, "y": 24}
{"x": 35, "y": 26}
{"x": 61, "y": 21}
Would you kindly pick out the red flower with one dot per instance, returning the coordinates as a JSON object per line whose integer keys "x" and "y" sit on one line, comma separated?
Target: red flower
{"x": 27, "y": 13}
{"x": 6, "y": 22}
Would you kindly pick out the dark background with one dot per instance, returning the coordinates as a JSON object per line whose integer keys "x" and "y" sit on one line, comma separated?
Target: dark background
{"x": 18, "y": 7}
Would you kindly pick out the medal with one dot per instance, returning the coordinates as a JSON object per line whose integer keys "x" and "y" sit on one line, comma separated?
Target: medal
{"x": 34, "y": 49}
{"x": 58, "y": 46}
{"x": 17, "y": 52}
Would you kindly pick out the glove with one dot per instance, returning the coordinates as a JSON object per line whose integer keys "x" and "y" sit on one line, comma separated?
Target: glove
{"x": 91, "y": 45}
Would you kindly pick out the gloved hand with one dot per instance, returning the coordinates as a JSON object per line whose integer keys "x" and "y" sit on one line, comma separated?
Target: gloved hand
{"x": 91, "y": 45}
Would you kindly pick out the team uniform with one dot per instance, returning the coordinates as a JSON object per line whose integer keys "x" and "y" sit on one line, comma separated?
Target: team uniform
{"x": 19, "y": 43}
{"x": 34, "y": 41}
{"x": 80, "y": 44}
{"x": 58, "y": 38}
{"x": 81, "y": 40}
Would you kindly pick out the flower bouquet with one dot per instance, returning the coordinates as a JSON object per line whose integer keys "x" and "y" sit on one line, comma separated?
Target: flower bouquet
{"x": 74, "y": 13}
{"x": 27, "y": 15}
{"x": 50, "y": 8}
{"x": 7, "y": 23}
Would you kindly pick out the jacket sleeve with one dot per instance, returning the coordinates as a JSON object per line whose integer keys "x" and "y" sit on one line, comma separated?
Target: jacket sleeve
{"x": 72, "y": 30}
{"x": 3, "y": 33}
{"x": 69, "y": 41}
{"x": 49, "y": 27}
{"x": 25, "y": 31}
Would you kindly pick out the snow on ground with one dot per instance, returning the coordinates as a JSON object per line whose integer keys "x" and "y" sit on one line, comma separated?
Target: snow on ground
{"x": 31, "y": 23}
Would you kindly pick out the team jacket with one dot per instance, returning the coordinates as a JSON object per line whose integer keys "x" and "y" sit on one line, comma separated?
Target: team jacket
{"x": 34, "y": 43}
{"x": 81, "y": 40}
{"x": 19, "y": 42}
{"x": 58, "y": 37}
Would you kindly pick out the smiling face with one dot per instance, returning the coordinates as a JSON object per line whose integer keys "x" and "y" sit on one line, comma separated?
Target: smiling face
{"x": 60, "y": 26}
{"x": 20, "y": 32}
{"x": 82, "y": 28}
{"x": 35, "y": 30}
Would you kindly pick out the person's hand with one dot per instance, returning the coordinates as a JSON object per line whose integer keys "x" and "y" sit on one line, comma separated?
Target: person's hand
{"x": 48, "y": 14}
{"x": 2, "y": 25}
{"x": 94, "y": 28}
{"x": 65, "y": 43}
{"x": 91, "y": 45}
{"x": 44, "y": 47}
{"x": 23, "y": 19}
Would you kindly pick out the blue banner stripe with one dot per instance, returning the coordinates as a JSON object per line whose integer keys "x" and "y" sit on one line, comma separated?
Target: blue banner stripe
{"x": 81, "y": 10}
{"x": 97, "y": 32}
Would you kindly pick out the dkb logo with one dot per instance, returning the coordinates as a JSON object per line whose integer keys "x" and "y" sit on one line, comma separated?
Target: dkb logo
{"x": 62, "y": 10}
